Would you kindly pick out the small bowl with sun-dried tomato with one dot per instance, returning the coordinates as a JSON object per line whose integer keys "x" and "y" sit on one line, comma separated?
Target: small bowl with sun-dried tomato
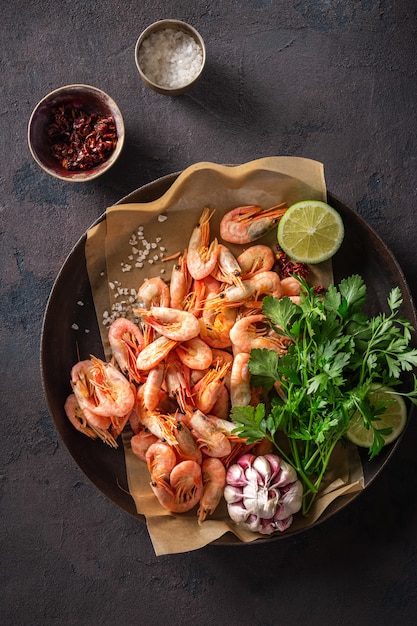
{"x": 76, "y": 133}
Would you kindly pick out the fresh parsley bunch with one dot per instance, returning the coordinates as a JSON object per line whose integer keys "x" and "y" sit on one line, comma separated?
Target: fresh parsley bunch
{"x": 336, "y": 353}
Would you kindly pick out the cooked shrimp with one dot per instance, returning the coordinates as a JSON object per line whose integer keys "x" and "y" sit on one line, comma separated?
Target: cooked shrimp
{"x": 212, "y": 441}
{"x": 84, "y": 390}
{"x": 213, "y": 306}
{"x": 161, "y": 460}
{"x": 239, "y": 448}
{"x": 196, "y": 375}
{"x": 81, "y": 375}
{"x": 201, "y": 289}
{"x": 162, "y": 425}
{"x": 153, "y": 292}
{"x": 152, "y": 387}
{"x": 112, "y": 391}
{"x": 228, "y": 269}
{"x": 202, "y": 256}
{"x": 215, "y": 324}
{"x": 221, "y": 407}
{"x": 225, "y": 426}
{"x": 154, "y": 353}
{"x": 267, "y": 283}
{"x": 171, "y": 323}
{"x": 245, "y": 331}
{"x": 195, "y": 353}
{"x": 240, "y": 391}
{"x": 141, "y": 442}
{"x": 77, "y": 418}
{"x": 247, "y": 334}
{"x": 177, "y": 381}
{"x": 232, "y": 296}
{"x": 255, "y": 259}
{"x": 214, "y": 480}
{"x": 207, "y": 390}
{"x": 247, "y": 223}
{"x": 186, "y": 446}
{"x": 290, "y": 286}
{"x": 222, "y": 356}
{"x": 275, "y": 342}
{"x": 104, "y": 395}
{"x": 134, "y": 421}
{"x": 126, "y": 341}
{"x": 184, "y": 490}
{"x": 217, "y": 335}
{"x": 180, "y": 283}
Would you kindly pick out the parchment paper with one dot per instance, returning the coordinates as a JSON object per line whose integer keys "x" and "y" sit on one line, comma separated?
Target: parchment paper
{"x": 116, "y": 265}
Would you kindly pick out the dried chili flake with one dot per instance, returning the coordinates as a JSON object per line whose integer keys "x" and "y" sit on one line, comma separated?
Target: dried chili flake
{"x": 80, "y": 140}
{"x": 285, "y": 267}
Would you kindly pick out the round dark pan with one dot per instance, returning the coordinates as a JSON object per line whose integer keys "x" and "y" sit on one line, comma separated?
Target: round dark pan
{"x": 70, "y": 328}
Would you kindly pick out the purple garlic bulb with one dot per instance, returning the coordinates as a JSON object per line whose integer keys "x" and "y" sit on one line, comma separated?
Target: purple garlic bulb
{"x": 263, "y": 493}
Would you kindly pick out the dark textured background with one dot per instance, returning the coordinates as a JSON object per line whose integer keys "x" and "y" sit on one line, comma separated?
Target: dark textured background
{"x": 332, "y": 80}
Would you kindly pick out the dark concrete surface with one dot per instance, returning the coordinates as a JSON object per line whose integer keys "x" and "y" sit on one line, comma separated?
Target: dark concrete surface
{"x": 332, "y": 80}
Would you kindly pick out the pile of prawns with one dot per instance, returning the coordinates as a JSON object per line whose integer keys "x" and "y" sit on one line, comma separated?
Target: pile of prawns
{"x": 181, "y": 362}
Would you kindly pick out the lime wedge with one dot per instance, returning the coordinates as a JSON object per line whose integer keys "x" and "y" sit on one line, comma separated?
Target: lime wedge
{"x": 394, "y": 416}
{"x": 310, "y": 231}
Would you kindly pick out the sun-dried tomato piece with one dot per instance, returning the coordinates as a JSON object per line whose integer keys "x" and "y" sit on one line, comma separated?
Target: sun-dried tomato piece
{"x": 286, "y": 267}
{"x": 80, "y": 140}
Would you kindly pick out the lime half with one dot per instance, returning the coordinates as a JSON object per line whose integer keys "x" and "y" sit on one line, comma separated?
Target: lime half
{"x": 394, "y": 417}
{"x": 310, "y": 231}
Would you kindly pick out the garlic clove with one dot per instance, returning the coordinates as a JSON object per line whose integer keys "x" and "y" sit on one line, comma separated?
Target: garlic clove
{"x": 236, "y": 476}
{"x": 262, "y": 466}
{"x": 237, "y": 512}
{"x": 275, "y": 463}
{"x": 254, "y": 523}
{"x": 286, "y": 475}
{"x": 232, "y": 494}
{"x": 253, "y": 477}
{"x": 246, "y": 460}
{"x": 292, "y": 499}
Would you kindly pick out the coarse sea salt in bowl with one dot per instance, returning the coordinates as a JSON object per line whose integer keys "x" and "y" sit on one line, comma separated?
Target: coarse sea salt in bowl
{"x": 170, "y": 56}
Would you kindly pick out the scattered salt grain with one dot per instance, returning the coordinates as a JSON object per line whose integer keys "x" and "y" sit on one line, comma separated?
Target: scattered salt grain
{"x": 170, "y": 58}
{"x": 138, "y": 252}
